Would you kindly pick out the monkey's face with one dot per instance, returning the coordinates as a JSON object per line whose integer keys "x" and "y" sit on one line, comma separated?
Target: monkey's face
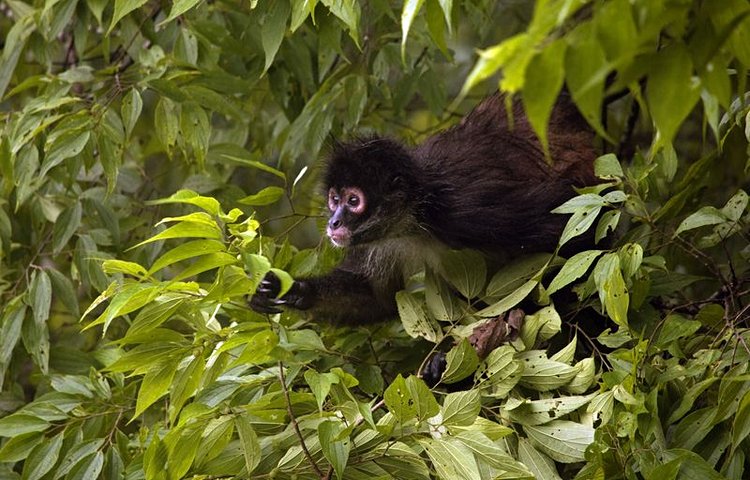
{"x": 347, "y": 206}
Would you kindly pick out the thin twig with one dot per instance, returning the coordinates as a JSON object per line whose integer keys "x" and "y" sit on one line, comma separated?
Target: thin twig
{"x": 296, "y": 426}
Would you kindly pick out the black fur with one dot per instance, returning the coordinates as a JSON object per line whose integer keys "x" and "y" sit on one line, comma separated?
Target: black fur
{"x": 484, "y": 184}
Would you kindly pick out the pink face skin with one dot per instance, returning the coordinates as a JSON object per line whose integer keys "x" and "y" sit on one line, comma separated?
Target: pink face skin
{"x": 342, "y": 203}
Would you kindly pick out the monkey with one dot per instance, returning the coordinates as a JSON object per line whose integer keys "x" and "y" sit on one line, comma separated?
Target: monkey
{"x": 484, "y": 184}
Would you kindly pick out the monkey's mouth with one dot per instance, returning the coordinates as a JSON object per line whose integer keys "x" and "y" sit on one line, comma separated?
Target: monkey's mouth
{"x": 340, "y": 237}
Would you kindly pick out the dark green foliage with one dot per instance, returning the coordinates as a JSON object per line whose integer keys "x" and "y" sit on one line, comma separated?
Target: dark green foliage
{"x": 157, "y": 160}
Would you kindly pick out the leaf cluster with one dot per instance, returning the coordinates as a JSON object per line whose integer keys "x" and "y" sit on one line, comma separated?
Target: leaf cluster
{"x": 155, "y": 165}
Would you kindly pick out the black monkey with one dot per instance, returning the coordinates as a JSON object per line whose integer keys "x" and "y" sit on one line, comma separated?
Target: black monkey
{"x": 483, "y": 184}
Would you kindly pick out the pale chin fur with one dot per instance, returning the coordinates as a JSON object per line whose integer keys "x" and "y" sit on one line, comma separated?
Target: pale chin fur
{"x": 341, "y": 243}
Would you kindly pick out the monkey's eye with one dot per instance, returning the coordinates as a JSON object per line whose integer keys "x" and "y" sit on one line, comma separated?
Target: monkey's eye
{"x": 353, "y": 201}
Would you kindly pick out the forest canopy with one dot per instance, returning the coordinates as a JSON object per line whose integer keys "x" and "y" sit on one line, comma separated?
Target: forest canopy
{"x": 158, "y": 159}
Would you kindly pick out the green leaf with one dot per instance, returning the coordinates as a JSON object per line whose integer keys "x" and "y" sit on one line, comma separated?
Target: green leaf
{"x": 452, "y": 460}
{"x": 493, "y": 59}
{"x": 65, "y": 226}
{"x": 11, "y": 322}
{"x": 185, "y": 230}
{"x": 347, "y": 12}
{"x": 541, "y": 326}
{"x": 66, "y": 144}
{"x": 466, "y": 270}
{"x": 671, "y": 93}
{"x": 416, "y": 323}
{"x": 607, "y": 223}
{"x": 142, "y": 358}
{"x": 77, "y": 454}
{"x": 608, "y": 167}
{"x": 517, "y": 272}
{"x": 250, "y": 162}
{"x": 300, "y": 11}
{"x": 191, "y": 249}
{"x": 562, "y": 440}
{"x": 122, "y": 8}
{"x": 335, "y": 449}
{"x": 273, "y": 28}
{"x": 436, "y": 26}
{"x": 14, "y": 46}
{"x": 128, "y": 299}
{"x": 18, "y": 447}
{"x": 543, "y": 374}
{"x": 195, "y": 129}
{"x": 447, "y": 7}
{"x": 408, "y": 14}
{"x": 439, "y": 298}
{"x": 186, "y": 383}
{"x": 573, "y": 269}
{"x": 121, "y": 266}
{"x": 675, "y": 327}
{"x": 189, "y": 197}
{"x": 156, "y": 312}
{"x": 206, "y": 263}
{"x": 538, "y": 412}
{"x": 20, "y": 423}
{"x": 736, "y": 206}
{"x": 461, "y": 408}
{"x": 424, "y": 401}
{"x": 499, "y": 371}
{"x": 493, "y": 455}
{"x": 249, "y": 442}
{"x": 397, "y": 398}
{"x": 266, "y": 196}
{"x": 579, "y": 223}
{"x": 509, "y": 301}
{"x": 462, "y": 361}
{"x": 88, "y": 468}
{"x": 320, "y": 384}
{"x": 631, "y": 257}
{"x": 586, "y": 68}
{"x": 42, "y": 458}
{"x": 611, "y": 287}
{"x": 544, "y": 79}
{"x": 132, "y": 105}
{"x": 539, "y": 464}
{"x": 585, "y": 377}
{"x": 40, "y": 296}
{"x": 704, "y": 216}
{"x": 155, "y": 384}
{"x": 166, "y": 123}
{"x": 178, "y": 8}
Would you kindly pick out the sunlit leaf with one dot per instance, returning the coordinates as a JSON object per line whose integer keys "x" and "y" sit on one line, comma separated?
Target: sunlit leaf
{"x": 266, "y": 196}
{"x": 122, "y": 8}
{"x": 461, "y": 361}
{"x": 273, "y": 28}
{"x": 562, "y": 440}
{"x": 155, "y": 384}
{"x": 573, "y": 269}
{"x": 415, "y": 320}
{"x": 249, "y": 442}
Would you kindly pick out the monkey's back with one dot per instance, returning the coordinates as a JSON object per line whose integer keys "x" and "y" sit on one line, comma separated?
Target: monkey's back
{"x": 487, "y": 182}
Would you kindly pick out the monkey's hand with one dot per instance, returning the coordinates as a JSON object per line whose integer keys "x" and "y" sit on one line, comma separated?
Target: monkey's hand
{"x": 265, "y": 299}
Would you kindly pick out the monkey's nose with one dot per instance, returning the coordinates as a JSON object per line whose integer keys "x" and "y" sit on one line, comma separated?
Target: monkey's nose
{"x": 335, "y": 223}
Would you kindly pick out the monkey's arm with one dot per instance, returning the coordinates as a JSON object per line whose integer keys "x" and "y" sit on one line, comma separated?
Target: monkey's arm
{"x": 339, "y": 297}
